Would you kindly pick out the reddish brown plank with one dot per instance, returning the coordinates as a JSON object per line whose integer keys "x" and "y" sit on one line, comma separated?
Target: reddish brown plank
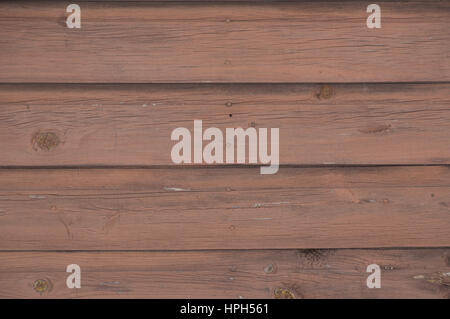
{"x": 132, "y": 124}
{"x": 421, "y": 273}
{"x": 224, "y": 208}
{"x": 225, "y": 42}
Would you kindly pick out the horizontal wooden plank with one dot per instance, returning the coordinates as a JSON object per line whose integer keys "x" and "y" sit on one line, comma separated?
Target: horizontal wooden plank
{"x": 225, "y": 42}
{"x": 224, "y": 208}
{"x": 47, "y": 125}
{"x": 421, "y": 273}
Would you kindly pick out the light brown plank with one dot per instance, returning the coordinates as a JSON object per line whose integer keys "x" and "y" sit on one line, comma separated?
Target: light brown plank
{"x": 224, "y": 208}
{"x": 225, "y": 42}
{"x": 132, "y": 124}
{"x": 422, "y": 273}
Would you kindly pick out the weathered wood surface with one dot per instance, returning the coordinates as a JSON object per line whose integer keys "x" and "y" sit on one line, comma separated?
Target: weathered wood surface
{"x": 421, "y": 273}
{"x": 224, "y": 208}
{"x": 144, "y": 228}
{"x": 50, "y": 125}
{"x": 225, "y": 42}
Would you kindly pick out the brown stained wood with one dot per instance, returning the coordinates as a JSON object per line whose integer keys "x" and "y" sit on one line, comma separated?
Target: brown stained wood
{"x": 416, "y": 273}
{"x": 42, "y": 125}
{"x": 225, "y": 42}
{"x": 224, "y": 208}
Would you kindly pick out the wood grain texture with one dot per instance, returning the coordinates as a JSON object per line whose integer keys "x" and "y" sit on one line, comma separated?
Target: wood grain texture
{"x": 224, "y": 208}
{"x": 228, "y": 274}
{"x": 225, "y": 42}
{"x": 50, "y": 125}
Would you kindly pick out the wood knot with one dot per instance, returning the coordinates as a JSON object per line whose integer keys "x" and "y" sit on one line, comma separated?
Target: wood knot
{"x": 45, "y": 141}
{"x": 314, "y": 255}
{"x": 325, "y": 92}
{"x": 41, "y": 286}
{"x": 283, "y": 293}
{"x": 270, "y": 269}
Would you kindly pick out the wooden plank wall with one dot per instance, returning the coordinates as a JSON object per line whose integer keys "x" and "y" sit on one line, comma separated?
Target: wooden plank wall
{"x": 86, "y": 175}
